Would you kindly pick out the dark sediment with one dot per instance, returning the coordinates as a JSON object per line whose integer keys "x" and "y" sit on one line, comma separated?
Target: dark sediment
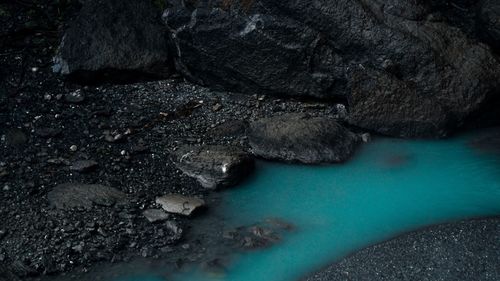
{"x": 466, "y": 250}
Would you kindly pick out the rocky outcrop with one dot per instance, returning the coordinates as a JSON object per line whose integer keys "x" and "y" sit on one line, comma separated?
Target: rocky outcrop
{"x": 429, "y": 76}
{"x": 214, "y": 166}
{"x": 114, "y": 39}
{"x": 74, "y": 195}
{"x": 301, "y": 138}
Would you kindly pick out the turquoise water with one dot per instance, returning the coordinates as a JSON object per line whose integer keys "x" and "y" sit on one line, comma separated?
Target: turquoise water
{"x": 390, "y": 186}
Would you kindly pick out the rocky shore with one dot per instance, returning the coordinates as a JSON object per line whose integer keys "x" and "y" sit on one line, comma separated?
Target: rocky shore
{"x": 465, "y": 250}
{"x": 119, "y": 118}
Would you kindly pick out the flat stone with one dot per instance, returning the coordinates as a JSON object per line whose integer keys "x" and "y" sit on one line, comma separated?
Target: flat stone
{"x": 155, "y": 215}
{"x": 76, "y": 195}
{"x": 179, "y": 204}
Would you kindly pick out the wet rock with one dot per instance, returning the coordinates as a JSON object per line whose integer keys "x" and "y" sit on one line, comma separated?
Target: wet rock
{"x": 155, "y": 215}
{"x": 75, "y": 195}
{"x": 214, "y": 166}
{"x": 83, "y": 166}
{"x": 489, "y": 19}
{"x": 112, "y": 36}
{"x": 301, "y": 138}
{"x": 179, "y": 204}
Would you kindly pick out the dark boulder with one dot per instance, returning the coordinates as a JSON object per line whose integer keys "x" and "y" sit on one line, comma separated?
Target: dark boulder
{"x": 214, "y": 166}
{"x": 114, "y": 39}
{"x": 301, "y": 138}
{"x": 74, "y": 195}
{"x": 318, "y": 48}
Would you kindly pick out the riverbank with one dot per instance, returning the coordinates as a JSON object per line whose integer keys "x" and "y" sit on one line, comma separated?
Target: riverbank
{"x": 122, "y": 136}
{"x": 465, "y": 250}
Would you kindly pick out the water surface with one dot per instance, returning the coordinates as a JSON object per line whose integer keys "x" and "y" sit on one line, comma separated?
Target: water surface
{"x": 390, "y": 186}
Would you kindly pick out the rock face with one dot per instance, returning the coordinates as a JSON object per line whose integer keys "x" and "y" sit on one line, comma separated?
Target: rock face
{"x": 180, "y": 204}
{"x": 300, "y": 138}
{"x": 74, "y": 195}
{"x": 114, "y": 36}
{"x": 214, "y": 166}
{"x": 424, "y": 74}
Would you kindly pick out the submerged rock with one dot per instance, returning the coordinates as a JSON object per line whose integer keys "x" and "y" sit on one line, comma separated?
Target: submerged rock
{"x": 425, "y": 76}
{"x": 180, "y": 204}
{"x": 76, "y": 195}
{"x": 214, "y": 166}
{"x": 301, "y": 138}
{"x": 110, "y": 36}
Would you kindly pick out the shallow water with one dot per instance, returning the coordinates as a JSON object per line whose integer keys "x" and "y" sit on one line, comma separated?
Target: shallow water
{"x": 390, "y": 186}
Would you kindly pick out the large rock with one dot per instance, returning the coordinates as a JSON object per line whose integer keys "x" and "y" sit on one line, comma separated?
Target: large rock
{"x": 75, "y": 195}
{"x": 301, "y": 138}
{"x": 110, "y": 37}
{"x": 433, "y": 74}
{"x": 214, "y": 166}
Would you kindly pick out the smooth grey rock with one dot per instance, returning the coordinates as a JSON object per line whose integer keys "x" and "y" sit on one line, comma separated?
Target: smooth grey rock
{"x": 155, "y": 215}
{"x": 114, "y": 36}
{"x": 179, "y": 204}
{"x": 214, "y": 166}
{"x": 301, "y": 138}
{"x": 76, "y": 195}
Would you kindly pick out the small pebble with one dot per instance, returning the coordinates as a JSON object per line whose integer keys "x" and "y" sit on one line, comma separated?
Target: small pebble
{"x": 73, "y": 148}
